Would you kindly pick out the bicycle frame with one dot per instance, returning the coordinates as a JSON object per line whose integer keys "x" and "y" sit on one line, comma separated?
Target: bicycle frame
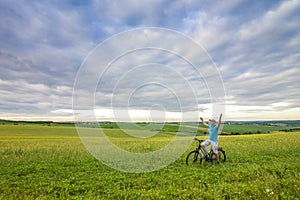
{"x": 203, "y": 154}
{"x": 201, "y": 151}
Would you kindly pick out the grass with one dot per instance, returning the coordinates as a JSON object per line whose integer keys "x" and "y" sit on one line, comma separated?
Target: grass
{"x": 236, "y": 129}
{"x": 228, "y": 129}
{"x": 47, "y": 162}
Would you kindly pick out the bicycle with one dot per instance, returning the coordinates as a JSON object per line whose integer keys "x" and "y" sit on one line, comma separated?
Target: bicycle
{"x": 199, "y": 153}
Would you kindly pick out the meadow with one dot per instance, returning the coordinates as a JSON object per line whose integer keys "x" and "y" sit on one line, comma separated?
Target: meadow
{"x": 48, "y": 162}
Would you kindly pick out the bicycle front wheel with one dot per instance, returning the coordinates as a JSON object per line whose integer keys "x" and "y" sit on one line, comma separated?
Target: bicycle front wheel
{"x": 192, "y": 158}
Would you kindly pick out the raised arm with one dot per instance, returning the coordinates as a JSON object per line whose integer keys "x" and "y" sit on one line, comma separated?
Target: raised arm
{"x": 220, "y": 120}
{"x": 203, "y": 122}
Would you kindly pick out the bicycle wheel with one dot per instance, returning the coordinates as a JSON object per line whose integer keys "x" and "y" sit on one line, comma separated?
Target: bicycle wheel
{"x": 222, "y": 156}
{"x": 192, "y": 158}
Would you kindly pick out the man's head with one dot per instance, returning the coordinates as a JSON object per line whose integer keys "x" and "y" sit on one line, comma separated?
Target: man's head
{"x": 213, "y": 122}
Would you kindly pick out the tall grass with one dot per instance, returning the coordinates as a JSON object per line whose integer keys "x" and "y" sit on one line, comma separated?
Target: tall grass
{"x": 41, "y": 162}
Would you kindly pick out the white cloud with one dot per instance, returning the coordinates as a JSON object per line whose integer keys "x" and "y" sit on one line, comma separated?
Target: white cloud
{"x": 260, "y": 113}
{"x": 43, "y": 44}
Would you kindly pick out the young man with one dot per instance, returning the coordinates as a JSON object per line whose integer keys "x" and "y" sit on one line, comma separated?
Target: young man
{"x": 213, "y": 136}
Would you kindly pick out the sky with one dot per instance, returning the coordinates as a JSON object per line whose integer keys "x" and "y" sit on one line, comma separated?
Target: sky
{"x": 46, "y": 47}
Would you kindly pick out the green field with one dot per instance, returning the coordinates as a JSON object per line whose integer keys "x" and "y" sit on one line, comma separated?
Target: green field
{"x": 47, "y": 162}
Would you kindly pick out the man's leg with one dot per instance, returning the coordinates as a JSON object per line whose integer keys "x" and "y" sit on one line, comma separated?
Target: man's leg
{"x": 217, "y": 157}
{"x": 215, "y": 150}
{"x": 203, "y": 145}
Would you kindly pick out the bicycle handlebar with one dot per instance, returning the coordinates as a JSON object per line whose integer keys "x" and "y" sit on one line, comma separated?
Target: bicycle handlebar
{"x": 198, "y": 140}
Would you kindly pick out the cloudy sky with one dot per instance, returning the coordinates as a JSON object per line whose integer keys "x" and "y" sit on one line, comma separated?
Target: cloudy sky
{"x": 46, "y": 47}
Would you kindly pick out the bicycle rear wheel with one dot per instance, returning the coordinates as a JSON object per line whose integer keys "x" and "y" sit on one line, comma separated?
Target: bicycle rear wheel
{"x": 222, "y": 156}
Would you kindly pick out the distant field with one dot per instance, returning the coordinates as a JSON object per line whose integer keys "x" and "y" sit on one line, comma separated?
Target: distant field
{"x": 46, "y": 162}
{"x": 237, "y": 129}
{"x": 228, "y": 129}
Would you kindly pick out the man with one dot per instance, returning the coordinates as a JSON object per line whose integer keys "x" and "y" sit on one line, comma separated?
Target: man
{"x": 213, "y": 136}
